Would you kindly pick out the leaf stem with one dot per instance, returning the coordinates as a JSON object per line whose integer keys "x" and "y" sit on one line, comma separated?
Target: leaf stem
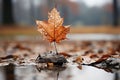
{"x": 55, "y": 48}
{"x": 55, "y": 3}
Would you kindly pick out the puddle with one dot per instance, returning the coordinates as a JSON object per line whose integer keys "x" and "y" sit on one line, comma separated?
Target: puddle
{"x": 69, "y": 73}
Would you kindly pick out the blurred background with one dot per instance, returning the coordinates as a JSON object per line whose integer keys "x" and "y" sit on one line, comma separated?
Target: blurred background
{"x": 75, "y": 12}
{"x": 84, "y": 16}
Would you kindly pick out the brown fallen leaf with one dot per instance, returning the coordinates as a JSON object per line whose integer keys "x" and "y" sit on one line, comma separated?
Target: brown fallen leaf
{"x": 53, "y": 29}
{"x": 79, "y": 67}
{"x": 107, "y": 55}
{"x": 50, "y": 64}
{"x": 9, "y": 57}
{"x": 19, "y": 46}
{"x": 79, "y": 60}
{"x": 65, "y": 54}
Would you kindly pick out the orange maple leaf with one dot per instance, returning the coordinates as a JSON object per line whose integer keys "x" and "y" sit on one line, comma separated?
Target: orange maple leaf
{"x": 53, "y": 29}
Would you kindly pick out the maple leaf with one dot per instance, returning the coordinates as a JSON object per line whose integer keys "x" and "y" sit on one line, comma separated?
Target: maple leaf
{"x": 53, "y": 29}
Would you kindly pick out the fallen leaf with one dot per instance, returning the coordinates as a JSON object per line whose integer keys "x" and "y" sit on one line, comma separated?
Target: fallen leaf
{"x": 79, "y": 60}
{"x": 79, "y": 67}
{"x": 53, "y": 29}
{"x": 65, "y": 54}
{"x": 50, "y": 65}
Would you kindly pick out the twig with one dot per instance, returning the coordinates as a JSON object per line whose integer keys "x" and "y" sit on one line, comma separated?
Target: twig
{"x": 55, "y": 3}
{"x": 55, "y": 48}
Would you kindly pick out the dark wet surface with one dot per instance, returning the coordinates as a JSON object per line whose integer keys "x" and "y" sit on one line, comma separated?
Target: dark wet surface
{"x": 69, "y": 73}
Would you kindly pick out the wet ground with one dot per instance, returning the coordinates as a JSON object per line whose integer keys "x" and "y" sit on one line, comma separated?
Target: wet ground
{"x": 70, "y": 73}
{"x": 20, "y": 64}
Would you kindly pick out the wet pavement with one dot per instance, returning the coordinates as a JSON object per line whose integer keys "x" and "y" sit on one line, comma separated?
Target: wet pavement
{"x": 69, "y": 73}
